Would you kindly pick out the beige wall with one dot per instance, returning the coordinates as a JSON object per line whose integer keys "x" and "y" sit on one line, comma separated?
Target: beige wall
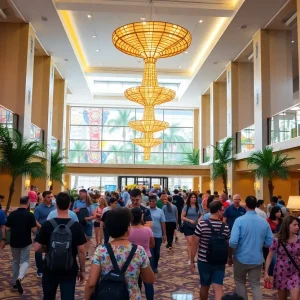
{"x": 221, "y": 100}
{"x": 205, "y": 121}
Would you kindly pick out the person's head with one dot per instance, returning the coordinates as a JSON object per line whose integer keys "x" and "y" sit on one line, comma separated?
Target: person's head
{"x": 223, "y": 197}
{"x": 236, "y": 200}
{"x": 136, "y": 216}
{"x": 63, "y": 201}
{"x": 281, "y": 202}
{"x": 208, "y": 192}
{"x": 176, "y": 192}
{"x": 117, "y": 222}
{"x": 1, "y": 198}
{"x": 47, "y": 197}
{"x": 289, "y": 226}
{"x": 31, "y": 187}
{"x": 164, "y": 197}
{"x": 279, "y": 197}
{"x": 170, "y": 199}
{"x": 210, "y": 199}
{"x": 216, "y": 193}
{"x": 152, "y": 201}
{"x": 216, "y": 208}
{"x": 24, "y": 201}
{"x": 274, "y": 200}
{"x": 84, "y": 196}
{"x": 136, "y": 197}
{"x": 102, "y": 202}
{"x": 276, "y": 213}
{"x": 260, "y": 204}
{"x": 113, "y": 202}
{"x": 192, "y": 200}
{"x": 250, "y": 202}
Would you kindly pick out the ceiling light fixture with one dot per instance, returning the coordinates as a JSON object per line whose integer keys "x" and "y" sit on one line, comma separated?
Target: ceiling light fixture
{"x": 97, "y": 50}
{"x": 186, "y": 52}
{"x": 179, "y": 67}
{"x": 150, "y": 42}
{"x": 244, "y": 26}
{"x": 143, "y": 19}
{"x": 200, "y": 21}
{"x": 293, "y": 42}
{"x": 45, "y": 19}
{"x": 66, "y": 59}
{"x": 94, "y": 36}
{"x": 89, "y": 16}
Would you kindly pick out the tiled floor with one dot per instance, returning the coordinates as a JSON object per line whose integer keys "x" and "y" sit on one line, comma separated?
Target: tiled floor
{"x": 174, "y": 281}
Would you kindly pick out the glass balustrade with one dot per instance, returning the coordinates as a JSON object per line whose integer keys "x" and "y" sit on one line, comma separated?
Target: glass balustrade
{"x": 245, "y": 139}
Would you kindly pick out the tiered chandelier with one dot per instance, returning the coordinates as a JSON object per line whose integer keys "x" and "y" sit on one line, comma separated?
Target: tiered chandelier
{"x": 150, "y": 40}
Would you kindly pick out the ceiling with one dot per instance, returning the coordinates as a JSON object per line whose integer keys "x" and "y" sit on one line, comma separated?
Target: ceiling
{"x": 72, "y": 38}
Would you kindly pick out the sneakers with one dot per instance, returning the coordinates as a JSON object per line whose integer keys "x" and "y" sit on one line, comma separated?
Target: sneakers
{"x": 170, "y": 248}
{"x": 39, "y": 275}
{"x": 19, "y": 286}
{"x": 14, "y": 287}
{"x": 87, "y": 257}
{"x": 155, "y": 271}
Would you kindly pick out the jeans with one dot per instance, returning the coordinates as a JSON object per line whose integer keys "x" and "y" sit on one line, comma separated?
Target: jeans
{"x": 170, "y": 227}
{"x": 20, "y": 262}
{"x": 65, "y": 280}
{"x": 155, "y": 252}
{"x": 39, "y": 261}
{"x": 240, "y": 273}
{"x": 149, "y": 289}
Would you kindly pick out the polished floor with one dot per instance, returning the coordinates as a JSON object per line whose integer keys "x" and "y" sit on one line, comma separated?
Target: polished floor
{"x": 174, "y": 281}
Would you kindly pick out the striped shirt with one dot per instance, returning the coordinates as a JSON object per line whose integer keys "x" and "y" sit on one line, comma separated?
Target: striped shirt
{"x": 204, "y": 233}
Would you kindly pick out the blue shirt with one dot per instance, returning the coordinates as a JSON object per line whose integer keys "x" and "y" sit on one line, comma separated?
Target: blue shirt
{"x": 82, "y": 204}
{"x": 170, "y": 216}
{"x": 158, "y": 217}
{"x": 42, "y": 211}
{"x": 206, "y": 217}
{"x": 126, "y": 198}
{"x": 72, "y": 215}
{"x": 2, "y": 217}
{"x": 250, "y": 233}
{"x": 232, "y": 213}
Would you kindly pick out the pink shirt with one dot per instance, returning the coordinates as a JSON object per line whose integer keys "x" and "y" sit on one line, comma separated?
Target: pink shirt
{"x": 141, "y": 237}
{"x": 32, "y": 196}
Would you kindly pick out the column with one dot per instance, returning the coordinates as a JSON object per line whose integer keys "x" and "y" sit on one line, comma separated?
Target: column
{"x": 16, "y": 79}
{"x": 273, "y": 89}
{"x": 204, "y": 125}
{"x": 42, "y": 108}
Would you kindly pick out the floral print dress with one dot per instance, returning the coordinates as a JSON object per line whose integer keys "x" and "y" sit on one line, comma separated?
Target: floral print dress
{"x": 286, "y": 277}
{"x": 139, "y": 260}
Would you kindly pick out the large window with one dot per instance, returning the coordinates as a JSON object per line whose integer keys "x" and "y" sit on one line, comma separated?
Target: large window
{"x": 102, "y": 135}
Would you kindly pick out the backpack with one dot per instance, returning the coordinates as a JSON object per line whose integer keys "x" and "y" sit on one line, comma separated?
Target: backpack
{"x": 217, "y": 250}
{"x": 82, "y": 214}
{"x": 113, "y": 285}
{"x": 60, "y": 255}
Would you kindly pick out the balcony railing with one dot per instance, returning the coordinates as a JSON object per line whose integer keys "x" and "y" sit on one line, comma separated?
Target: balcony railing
{"x": 207, "y": 154}
{"x": 220, "y": 142}
{"x": 36, "y": 133}
{"x": 54, "y": 144}
{"x": 285, "y": 125}
{"x": 245, "y": 139}
{"x": 8, "y": 118}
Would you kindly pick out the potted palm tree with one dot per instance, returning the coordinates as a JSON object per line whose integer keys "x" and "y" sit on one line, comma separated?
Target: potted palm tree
{"x": 57, "y": 166}
{"x": 222, "y": 158}
{"x": 192, "y": 158}
{"x": 17, "y": 158}
{"x": 269, "y": 165}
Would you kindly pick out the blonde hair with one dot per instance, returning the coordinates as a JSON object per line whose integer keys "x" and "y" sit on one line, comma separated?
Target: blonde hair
{"x": 102, "y": 202}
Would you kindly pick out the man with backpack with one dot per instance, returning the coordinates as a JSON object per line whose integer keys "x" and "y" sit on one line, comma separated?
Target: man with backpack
{"x": 62, "y": 239}
{"x": 211, "y": 238}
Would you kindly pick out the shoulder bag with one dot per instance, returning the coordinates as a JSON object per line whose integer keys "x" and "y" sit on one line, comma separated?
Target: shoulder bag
{"x": 290, "y": 257}
{"x": 182, "y": 223}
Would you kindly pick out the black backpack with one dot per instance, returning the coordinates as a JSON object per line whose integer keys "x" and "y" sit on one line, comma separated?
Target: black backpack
{"x": 217, "y": 250}
{"x": 82, "y": 214}
{"x": 60, "y": 255}
{"x": 113, "y": 285}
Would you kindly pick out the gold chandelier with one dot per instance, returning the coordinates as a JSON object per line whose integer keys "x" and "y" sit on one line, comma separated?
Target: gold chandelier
{"x": 150, "y": 41}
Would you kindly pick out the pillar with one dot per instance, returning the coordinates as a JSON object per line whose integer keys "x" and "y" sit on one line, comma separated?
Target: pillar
{"x": 16, "y": 80}
{"x": 42, "y": 113}
{"x": 204, "y": 125}
{"x": 273, "y": 85}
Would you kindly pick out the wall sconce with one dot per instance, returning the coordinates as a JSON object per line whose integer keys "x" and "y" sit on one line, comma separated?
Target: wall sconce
{"x": 27, "y": 183}
{"x": 65, "y": 184}
{"x": 228, "y": 186}
{"x": 257, "y": 186}
{"x": 49, "y": 183}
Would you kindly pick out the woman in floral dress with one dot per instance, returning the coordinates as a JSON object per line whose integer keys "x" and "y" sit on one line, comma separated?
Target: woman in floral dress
{"x": 286, "y": 275}
{"x": 118, "y": 226}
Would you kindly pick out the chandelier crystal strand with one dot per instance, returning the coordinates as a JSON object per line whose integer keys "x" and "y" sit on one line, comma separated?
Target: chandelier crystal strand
{"x": 150, "y": 41}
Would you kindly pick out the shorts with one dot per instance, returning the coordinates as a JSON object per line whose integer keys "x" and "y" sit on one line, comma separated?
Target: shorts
{"x": 211, "y": 273}
{"x": 88, "y": 229}
{"x": 32, "y": 205}
{"x": 188, "y": 230}
{"x": 96, "y": 224}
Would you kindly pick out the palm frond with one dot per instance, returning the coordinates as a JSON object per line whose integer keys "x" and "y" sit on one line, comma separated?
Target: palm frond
{"x": 192, "y": 158}
{"x": 58, "y": 167}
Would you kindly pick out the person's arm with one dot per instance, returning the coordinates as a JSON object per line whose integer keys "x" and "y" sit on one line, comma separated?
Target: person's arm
{"x": 267, "y": 265}
{"x": 92, "y": 281}
{"x": 81, "y": 258}
{"x": 92, "y": 214}
{"x": 36, "y": 216}
{"x": 101, "y": 231}
{"x": 235, "y": 235}
{"x": 147, "y": 218}
{"x": 147, "y": 275}
{"x": 75, "y": 208}
{"x": 268, "y": 238}
{"x": 3, "y": 240}
{"x": 225, "y": 216}
{"x": 34, "y": 229}
{"x": 152, "y": 242}
{"x": 163, "y": 227}
{"x": 184, "y": 218}
{"x": 176, "y": 213}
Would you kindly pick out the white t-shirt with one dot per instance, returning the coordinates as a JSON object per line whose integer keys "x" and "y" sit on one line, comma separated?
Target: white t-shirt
{"x": 261, "y": 213}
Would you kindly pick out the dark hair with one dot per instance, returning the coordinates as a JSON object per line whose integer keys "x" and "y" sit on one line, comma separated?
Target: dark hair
{"x": 46, "y": 193}
{"x": 176, "y": 191}
{"x": 152, "y": 197}
{"x": 2, "y": 197}
{"x": 259, "y": 203}
{"x": 251, "y": 202}
{"x": 135, "y": 193}
{"x": 83, "y": 191}
{"x": 284, "y": 232}
{"x": 188, "y": 201}
{"x": 136, "y": 215}
{"x": 208, "y": 192}
{"x": 274, "y": 199}
{"x": 169, "y": 206}
{"x": 112, "y": 200}
{"x": 63, "y": 201}
{"x": 274, "y": 211}
{"x": 215, "y": 206}
{"x": 200, "y": 195}
{"x": 232, "y": 297}
{"x": 24, "y": 200}
{"x": 216, "y": 193}
{"x": 281, "y": 202}
{"x": 117, "y": 222}
{"x": 210, "y": 199}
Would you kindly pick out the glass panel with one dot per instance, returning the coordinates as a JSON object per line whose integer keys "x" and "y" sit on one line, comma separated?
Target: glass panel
{"x": 118, "y": 133}
{"x": 117, "y": 157}
{"x": 174, "y": 134}
{"x": 54, "y": 144}
{"x": 85, "y": 157}
{"x": 36, "y": 133}
{"x": 178, "y": 147}
{"x": 86, "y": 116}
{"x": 120, "y": 117}
{"x": 85, "y": 132}
{"x": 179, "y": 118}
{"x": 207, "y": 154}
{"x": 155, "y": 159}
{"x": 159, "y": 114}
{"x": 118, "y": 146}
{"x": 174, "y": 158}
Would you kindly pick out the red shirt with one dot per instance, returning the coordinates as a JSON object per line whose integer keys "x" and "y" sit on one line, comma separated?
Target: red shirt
{"x": 32, "y": 196}
{"x": 226, "y": 204}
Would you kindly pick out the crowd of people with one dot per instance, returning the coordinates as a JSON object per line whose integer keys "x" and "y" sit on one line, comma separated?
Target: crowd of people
{"x": 130, "y": 228}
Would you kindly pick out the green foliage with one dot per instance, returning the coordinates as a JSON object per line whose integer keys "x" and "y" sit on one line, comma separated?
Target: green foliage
{"x": 58, "y": 167}
{"x": 16, "y": 158}
{"x": 269, "y": 165}
{"x": 222, "y": 157}
{"x": 73, "y": 193}
{"x": 192, "y": 158}
{"x": 77, "y": 153}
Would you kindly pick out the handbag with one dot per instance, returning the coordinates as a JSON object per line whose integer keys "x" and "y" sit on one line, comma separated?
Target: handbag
{"x": 181, "y": 229}
{"x": 290, "y": 257}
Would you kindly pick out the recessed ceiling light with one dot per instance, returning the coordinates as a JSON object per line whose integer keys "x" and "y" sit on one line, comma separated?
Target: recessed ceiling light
{"x": 244, "y": 26}
{"x": 94, "y": 36}
{"x": 179, "y": 67}
{"x": 293, "y": 42}
{"x": 200, "y": 21}
{"x": 97, "y": 50}
{"x": 143, "y": 19}
{"x": 101, "y": 64}
{"x": 66, "y": 59}
{"x": 144, "y": 23}
{"x": 215, "y": 62}
{"x": 186, "y": 52}
{"x": 45, "y": 19}
{"x": 89, "y": 16}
